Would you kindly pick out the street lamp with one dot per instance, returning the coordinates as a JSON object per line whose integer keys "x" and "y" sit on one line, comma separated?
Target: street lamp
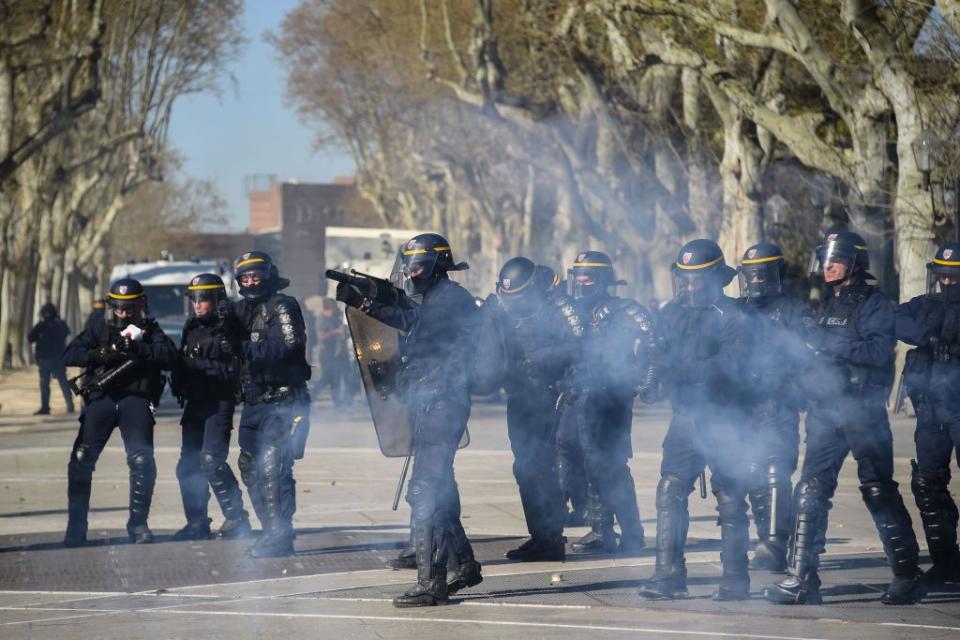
{"x": 928, "y": 154}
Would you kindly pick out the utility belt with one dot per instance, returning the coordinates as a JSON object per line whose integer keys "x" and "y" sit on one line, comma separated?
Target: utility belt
{"x": 277, "y": 395}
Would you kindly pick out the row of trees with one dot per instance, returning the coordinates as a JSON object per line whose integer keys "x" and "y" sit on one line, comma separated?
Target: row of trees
{"x": 544, "y": 126}
{"x": 87, "y": 88}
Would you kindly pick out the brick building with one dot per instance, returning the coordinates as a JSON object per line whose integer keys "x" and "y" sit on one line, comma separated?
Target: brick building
{"x": 299, "y": 213}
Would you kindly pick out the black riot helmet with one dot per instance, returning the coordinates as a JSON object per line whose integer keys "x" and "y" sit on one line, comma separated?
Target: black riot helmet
{"x": 521, "y": 285}
{"x": 943, "y": 272}
{"x": 762, "y": 272}
{"x": 126, "y": 295}
{"x": 844, "y": 247}
{"x": 592, "y": 274}
{"x": 700, "y": 273}
{"x": 207, "y": 286}
{"x": 547, "y": 278}
{"x": 48, "y": 311}
{"x": 423, "y": 260}
{"x": 259, "y": 263}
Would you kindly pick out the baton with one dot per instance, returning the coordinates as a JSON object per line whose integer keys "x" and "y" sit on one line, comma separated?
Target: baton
{"x": 403, "y": 477}
{"x": 703, "y": 484}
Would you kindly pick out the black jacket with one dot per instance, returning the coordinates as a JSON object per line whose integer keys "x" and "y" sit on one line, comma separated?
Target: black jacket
{"x": 50, "y": 337}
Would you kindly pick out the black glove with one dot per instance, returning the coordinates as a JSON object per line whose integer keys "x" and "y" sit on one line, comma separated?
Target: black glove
{"x": 350, "y": 295}
{"x": 224, "y": 309}
{"x": 940, "y": 350}
{"x": 108, "y": 356}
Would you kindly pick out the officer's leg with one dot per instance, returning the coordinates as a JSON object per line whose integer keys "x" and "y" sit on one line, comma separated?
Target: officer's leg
{"x": 826, "y": 450}
{"x": 136, "y": 429}
{"x": 226, "y": 489}
{"x": 681, "y": 464}
{"x": 275, "y": 469}
{"x": 407, "y": 558}
{"x": 60, "y": 373}
{"x": 618, "y": 484}
{"x": 96, "y": 423}
{"x": 734, "y": 537}
{"x": 602, "y": 538}
{"x": 872, "y": 445}
{"x": 44, "y": 389}
{"x": 190, "y": 475}
{"x": 429, "y": 496}
{"x": 247, "y": 460}
{"x": 773, "y": 507}
{"x": 532, "y": 438}
{"x": 570, "y": 472}
{"x": 466, "y": 569}
{"x": 938, "y": 511}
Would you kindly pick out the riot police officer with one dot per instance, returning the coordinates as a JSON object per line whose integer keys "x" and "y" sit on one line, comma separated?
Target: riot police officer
{"x": 931, "y": 322}
{"x": 207, "y": 377}
{"x": 129, "y": 339}
{"x": 436, "y": 346}
{"x": 778, "y": 323}
{"x": 532, "y": 332}
{"x": 704, "y": 341}
{"x": 276, "y": 402}
{"x": 849, "y": 382}
{"x": 614, "y": 363}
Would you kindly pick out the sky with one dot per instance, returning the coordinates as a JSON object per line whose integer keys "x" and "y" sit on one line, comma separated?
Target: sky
{"x": 248, "y": 129}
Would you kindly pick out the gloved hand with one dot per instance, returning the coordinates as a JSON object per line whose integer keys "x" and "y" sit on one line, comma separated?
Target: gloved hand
{"x": 649, "y": 393}
{"x": 350, "y": 295}
{"x": 939, "y": 349}
{"x": 133, "y": 333}
{"x": 108, "y": 356}
{"x": 224, "y": 309}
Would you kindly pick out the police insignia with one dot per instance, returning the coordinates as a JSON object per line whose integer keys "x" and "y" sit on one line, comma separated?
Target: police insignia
{"x": 947, "y": 254}
{"x": 122, "y": 290}
{"x": 751, "y": 253}
{"x": 687, "y": 257}
{"x": 506, "y": 283}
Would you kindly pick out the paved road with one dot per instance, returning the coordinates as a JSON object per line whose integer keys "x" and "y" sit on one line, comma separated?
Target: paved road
{"x": 336, "y": 586}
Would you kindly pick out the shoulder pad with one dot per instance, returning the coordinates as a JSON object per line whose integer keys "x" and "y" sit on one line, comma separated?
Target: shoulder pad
{"x": 569, "y": 313}
{"x": 639, "y": 314}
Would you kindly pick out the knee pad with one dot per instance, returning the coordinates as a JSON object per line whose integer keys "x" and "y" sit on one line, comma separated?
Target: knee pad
{"x": 423, "y": 500}
{"x": 142, "y": 462}
{"x": 187, "y": 466}
{"x": 730, "y": 508}
{"x": 929, "y": 487}
{"x": 879, "y": 494}
{"x": 82, "y": 463}
{"x": 247, "y": 464}
{"x": 210, "y": 462}
{"x": 671, "y": 492}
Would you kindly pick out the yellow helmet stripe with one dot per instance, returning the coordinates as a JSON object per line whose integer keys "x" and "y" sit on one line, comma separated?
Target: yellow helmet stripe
{"x": 130, "y": 296}
{"x": 593, "y": 264}
{"x": 762, "y": 260}
{"x": 249, "y": 261}
{"x": 946, "y": 263}
{"x": 862, "y": 247}
{"x": 691, "y": 267}
{"x": 204, "y": 287}
{"x": 415, "y": 252}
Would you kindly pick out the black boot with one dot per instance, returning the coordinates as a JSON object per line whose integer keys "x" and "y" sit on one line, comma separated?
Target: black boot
{"x": 899, "y": 542}
{"x": 669, "y": 580}
{"x": 734, "y": 542}
{"x": 79, "y": 483}
{"x": 143, "y": 476}
{"x": 226, "y": 490}
{"x": 467, "y": 571}
{"x": 802, "y": 584}
{"x": 939, "y": 514}
{"x": 406, "y": 559}
{"x": 601, "y": 538}
{"x": 194, "y": 493}
{"x": 431, "y": 587}
{"x": 539, "y": 549}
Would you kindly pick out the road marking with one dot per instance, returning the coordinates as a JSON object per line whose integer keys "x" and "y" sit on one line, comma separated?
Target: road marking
{"x": 461, "y": 621}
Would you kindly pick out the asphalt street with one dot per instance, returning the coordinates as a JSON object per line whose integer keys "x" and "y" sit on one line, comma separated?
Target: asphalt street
{"x": 336, "y": 585}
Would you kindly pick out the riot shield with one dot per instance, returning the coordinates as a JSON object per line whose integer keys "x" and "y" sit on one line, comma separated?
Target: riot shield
{"x": 377, "y": 347}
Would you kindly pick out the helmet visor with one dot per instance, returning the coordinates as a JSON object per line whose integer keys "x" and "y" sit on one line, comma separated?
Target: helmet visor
{"x": 942, "y": 279}
{"x": 760, "y": 280}
{"x": 695, "y": 289}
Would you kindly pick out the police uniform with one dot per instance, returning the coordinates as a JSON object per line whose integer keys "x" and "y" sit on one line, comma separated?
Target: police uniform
{"x": 436, "y": 345}
{"x": 128, "y": 402}
{"x": 534, "y": 329}
{"x": 705, "y": 339}
{"x": 848, "y": 383}
{"x": 207, "y": 377}
{"x": 931, "y": 322}
{"x": 778, "y": 323}
{"x": 596, "y": 411}
{"x": 276, "y": 403}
